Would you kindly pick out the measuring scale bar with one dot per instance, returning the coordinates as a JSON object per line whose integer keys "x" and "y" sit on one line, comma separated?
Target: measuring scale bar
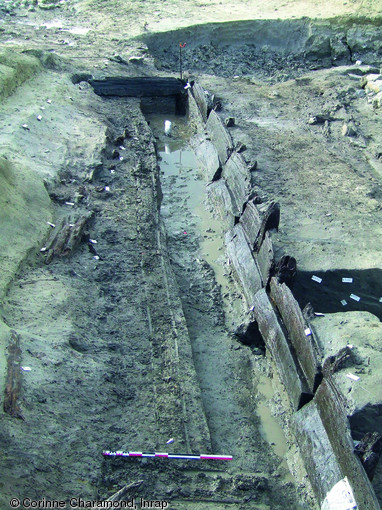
{"x": 202, "y": 456}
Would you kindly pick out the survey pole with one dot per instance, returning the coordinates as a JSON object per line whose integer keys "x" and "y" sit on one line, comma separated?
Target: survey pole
{"x": 181, "y": 46}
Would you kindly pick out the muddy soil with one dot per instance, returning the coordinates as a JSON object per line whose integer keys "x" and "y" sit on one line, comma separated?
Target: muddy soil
{"x": 129, "y": 340}
{"x": 98, "y": 331}
{"x": 230, "y": 391}
{"x": 327, "y": 184}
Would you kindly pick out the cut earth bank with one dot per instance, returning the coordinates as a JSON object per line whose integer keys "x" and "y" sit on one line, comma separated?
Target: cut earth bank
{"x": 294, "y": 159}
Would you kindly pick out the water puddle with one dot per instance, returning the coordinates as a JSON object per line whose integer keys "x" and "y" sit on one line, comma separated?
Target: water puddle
{"x": 179, "y": 165}
{"x": 175, "y": 166}
{"x": 270, "y": 428}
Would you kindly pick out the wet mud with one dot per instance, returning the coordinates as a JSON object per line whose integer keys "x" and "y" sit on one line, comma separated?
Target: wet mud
{"x": 127, "y": 344}
{"x": 130, "y": 340}
{"x": 230, "y": 377}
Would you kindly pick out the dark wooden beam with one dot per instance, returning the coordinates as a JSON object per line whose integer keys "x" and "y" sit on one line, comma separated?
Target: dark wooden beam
{"x": 138, "y": 87}
{"x": 12, "y": 391}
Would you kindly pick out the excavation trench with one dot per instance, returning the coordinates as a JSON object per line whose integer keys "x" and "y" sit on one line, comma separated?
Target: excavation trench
{"x": 236, "y": 399}
{"x": 100, "y": 330}
{"x": 105, "y": 331}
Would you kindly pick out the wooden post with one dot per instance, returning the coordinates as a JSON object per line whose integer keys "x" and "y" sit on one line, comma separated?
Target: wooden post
{"x": 181, "y": 45}
{"x": 13, "y": 381}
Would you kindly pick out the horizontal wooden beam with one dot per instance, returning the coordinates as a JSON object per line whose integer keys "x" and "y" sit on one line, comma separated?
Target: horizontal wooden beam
{"x": 145, "y": 86}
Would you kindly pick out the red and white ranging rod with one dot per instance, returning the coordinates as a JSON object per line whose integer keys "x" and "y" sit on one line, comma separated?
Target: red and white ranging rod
{"x": 202, "y": 456}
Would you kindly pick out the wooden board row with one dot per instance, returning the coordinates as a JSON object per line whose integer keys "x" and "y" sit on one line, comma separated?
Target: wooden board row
{"x": 320, "y": 423}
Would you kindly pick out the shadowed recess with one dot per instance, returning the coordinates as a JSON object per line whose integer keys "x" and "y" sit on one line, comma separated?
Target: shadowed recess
{"x": 328, "y": 296}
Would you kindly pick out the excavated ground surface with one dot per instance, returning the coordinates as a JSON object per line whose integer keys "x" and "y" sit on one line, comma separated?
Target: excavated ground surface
{"x": 135, "y": 347}
{"x": 107, "y": 341}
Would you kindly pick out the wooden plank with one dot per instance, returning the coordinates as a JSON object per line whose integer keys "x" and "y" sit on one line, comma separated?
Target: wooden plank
{"x": 251, "y": 221}
{"x": 66, "y": 237}
{"x": 332, "y": 408}
{"x": 277, "y": 344}
{"x": 219, "y": 136}
{"x": 257, "y": 220}
{"x": 201, "y": 100}
{"x": 220, "y": 202}
{"x": 194, "y": 116}
{"x": 208, "y": 160}
{"x": 296, "y": 325}
{"x": 138, "y": 87}
{"x": 245, "y": 267}
{"x": 316, "y": 450}
{"x": 270, "y": 219}
{"x": 12, "y": 391}
{"x": 237, "y": 177}
{"x": 265, "y": 258}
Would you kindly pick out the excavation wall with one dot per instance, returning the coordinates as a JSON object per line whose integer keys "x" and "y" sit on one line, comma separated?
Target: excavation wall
{"x": 318, "y": 408}
{"x": 242, "y": 45}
